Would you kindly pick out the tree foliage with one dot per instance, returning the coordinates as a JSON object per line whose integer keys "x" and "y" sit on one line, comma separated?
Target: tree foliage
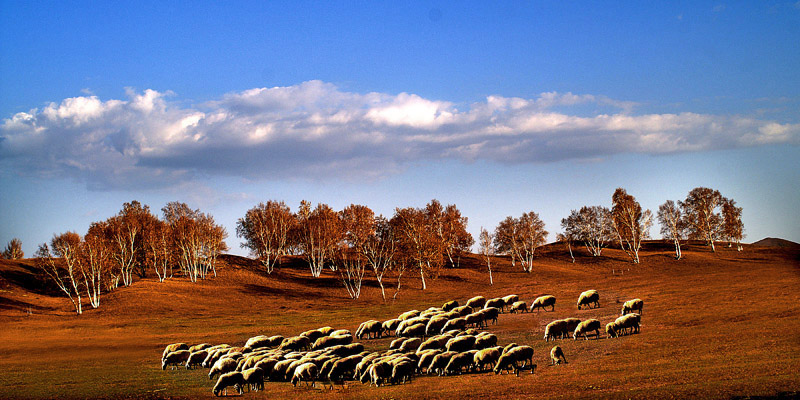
{"x": 590, "y": 225}
{"x": 732, "y": 225}
{"x": 673, "y": 224}
{"x": 630, "y": 223}
{"x": 701, "y": 212}
{"x": 265, "y": 230}
{"x": 13, "y": 250}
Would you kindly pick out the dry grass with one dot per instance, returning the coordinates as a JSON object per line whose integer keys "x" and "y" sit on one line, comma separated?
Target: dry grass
{"x": 714, "y": 326}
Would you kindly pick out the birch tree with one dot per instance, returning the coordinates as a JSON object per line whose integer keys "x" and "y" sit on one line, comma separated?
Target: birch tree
{"x": 319, "y": 232}
{"x": 13, "y": 250}
{"x": 451, "y": 228}
{"x": 197, "y": 240}
{"x": 532, "y": 235}
{"x": 567, "y": 240}
{"x": 673, "y": 224}
{"x": 732, "y": 226}
{"x": 265, "y": 230}
{"x": 630, "y": 223}
{"x": 592, "y": 226}
{"x": 487, "y": 250}
{"x": 357, "y": 224}
{"x": 379, "y": 250}
{"x": 506, "y": 239}
{"x": 701, "y": 210}
{"x": 158, "y": 249}
{"x": 419, "y": 241}
{"x": 61, "y": 266}
{"x": 95, "y": 261}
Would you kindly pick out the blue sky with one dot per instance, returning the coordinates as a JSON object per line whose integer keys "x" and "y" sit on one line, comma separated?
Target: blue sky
{"x": 498, "y": 107}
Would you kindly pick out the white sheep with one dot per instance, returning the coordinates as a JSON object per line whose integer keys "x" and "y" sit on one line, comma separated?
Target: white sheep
{"x": 557, "y": 355}
{"x": 235, "y": 379}
{"x": 585, "y": 327}
{"x": 476, "y": 302}
{"x": 633, "y": 305}
{"x": 254, "y": 378}
{"x": 305, "y": 372}
{"x": 172, "y": 348}
{"x": 520, "y": 306}
{"x": 588, "y": 298}
{"x": 223, "y": 365}
{"x": 175, "y": 358}
{"x": 544, "y": 301}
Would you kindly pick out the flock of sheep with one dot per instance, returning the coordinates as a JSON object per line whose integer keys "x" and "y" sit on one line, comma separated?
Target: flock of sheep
{"x": 440, "y": 340}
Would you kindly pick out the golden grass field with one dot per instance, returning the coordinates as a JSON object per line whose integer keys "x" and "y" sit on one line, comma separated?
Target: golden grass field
{"x": 715, "y": 325}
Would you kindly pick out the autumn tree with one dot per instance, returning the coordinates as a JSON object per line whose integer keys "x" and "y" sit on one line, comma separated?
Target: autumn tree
{"x": 158, "y": 246}
{"x": 701, "y": 211}
{"x": 567, "y": 240}
{"x": 265, "y": 229}
{"x": 61, "y": 265}
{"x": 418, "y": 241}
{"x": 732, "y": 226}
{"x": 197, "y": 240}
{"x": 95, "y": 261}
{"x": 318, "y": 234}
{"x": 630, "y": 223}
{"x": 673, "y": 224}
{"x": 379, "y": 250}
{"x": 13, "y": 250}
{"x": 357, "y": 223}
{"x": 451, "y": 228}
{"x": 506, "y": 238}
{"x": 532, "y": 235}
{"x": 592, "y": 226}
{"x": 126, "y": 231}
{"x": 487, "y": 250}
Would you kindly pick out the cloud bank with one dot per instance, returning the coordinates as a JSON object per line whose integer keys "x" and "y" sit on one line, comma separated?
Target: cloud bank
{"x": 316, "y": 131}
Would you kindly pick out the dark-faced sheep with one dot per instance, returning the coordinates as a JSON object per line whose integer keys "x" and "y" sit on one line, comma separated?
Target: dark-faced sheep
{"x": 513, "y": 357}
{"x": 390, "y": 325}
{"x": 634, "y": 305}
{"x": 611, "y": 330}
{"x": 490, "y": 314}
{"x": 235, "y": 379}
{"x": 486, "y": 358}
{"x": 555, "y": 330}
{"x": 440, "y": 361}
{"x": 172, "y": 348}
{"x": 450, "y": 305}
{"x": 403, "y": 371}
{"x": 379, "y": 373}
{"x": 588, "y": 298}
{"x": 628, "y": 323}
{"x": 585, "y": 327}
{"x": 196, "y": 359}
{"x": 222, "y": 366}
{"x": 510, "y": 299}
{"x": 364, "y": 364}
{"x": 461, "y": 344}
{"x": 476, "y": 302}
{"x": 370, "y": 329}
{"x": 557, "y": 356}
{"x": 306, "y": 372}
{"x": 543, "y": 302}
{"x": 175, "y": 358}
{"x": 254, "y": 378}
{"x": 496, "y": 303}
{"x": 455, "y": 323}
{"x": 520, "y": 306}
{"x": 458, "y": 362}
{"x": 426, "y": 358}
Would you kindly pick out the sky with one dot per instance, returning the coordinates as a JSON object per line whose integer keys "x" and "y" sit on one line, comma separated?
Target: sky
{"x": 498, "y": 107}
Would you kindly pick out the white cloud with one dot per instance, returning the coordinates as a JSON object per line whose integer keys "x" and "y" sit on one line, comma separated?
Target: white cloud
{"x": 316, "y": 130}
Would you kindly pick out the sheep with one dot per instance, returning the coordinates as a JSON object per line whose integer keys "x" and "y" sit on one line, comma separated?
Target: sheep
{"x": 266, "y": 365}
{"x": 458, "y": 362}
{"x": 435, "y": 342}
{"x": 313, "y": 335}
{"x": 440, "y": 361}
{"x": 198, "y": 347}
{"x": 410, "y": 345}
{"x": 612, "y": 330}
{"x": 544, "y": 301}
{"x": 278, "y": 373}
{"x": 173, "y": 348}
{"x": 305, "y": 372}
{"x": 510, "y": 299}
{"x": 496, "y": 303}
{"x": 557, "y": 355}
{"x": 632, "y": 305}
{"x": 520, "y": 306}
{"x": 196, "y": 358}
{"x": 213, "y": 356}
{"x": 327, "y": 366}
{"x": 222, "y": 366}
{"x": 588, "y": 298}
{"x": 408, "y": 314}
{"x": 343, "y": 367}
{"x": 555, "y": 329}
{"x": 345, "y": 350}
{"x": 328, "y": 341}
{"x": 585, "y": 327}
{"x": 569, "y": 325}
{"x": 414, "y": 330}
{"x": 426, "y": 358}
{"x": 379, "y": 373}
{"x": 485, "y": 341}
{"x": 175, "y": 358}
{"x": 461, "y": 344}
{"x": 628, "y": 322}
{"x": 369, "y": 328}
{"x": 512, "y": 357}
{"x": 340, "y": 332}
{"x": 295, "y": 343}
{"x": 326, "y": 330}
{"x": 364, "y": 364}
{"x": 476, "y": 302}
{"x": 455, "y": 323}
{"x": 435, "y": 325}
{"x": 487, "y": 356}
{"x": 403, "y": 371}
{"x": 390, "y": 325}
{"x": 490, "y": 314}
{"x": 474, "y": 319}
{"x": 395, "y": 344}
{"x": 450, "y": 305}
{"x": 235, "y": 379}
{"x": 254, "y": 378}
{"x": 463, "y": 310}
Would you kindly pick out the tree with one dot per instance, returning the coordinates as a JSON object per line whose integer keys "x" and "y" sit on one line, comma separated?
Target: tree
{"x": 158, "y": 247}
{"x": 380, "y": 250}
{"x": 702, "y": 214}
{"x": 61, "y": 266}
{"x": 506, "y": 238}
{"x": 418, "y": 241}
{"x": 265, "y": 230}
{"x": 590, "y": 225}
{"x": 318, "y": 233}
{"x": 487, "y": 250}
{"x": 13, "y": 250}
{"x": 126, "y": 231}
{"x": 197, "y": 239}
{"x": 673, "y": 224}
{"x": 567, "y": 240}
{"x": 630, "y": 223}
{"x": 732, "y": 226}
{"x": 531, "y": 235}
{"x": 451, "y": 228}
{"x": 357, "y": 224}
{"x": 95, "y": 261}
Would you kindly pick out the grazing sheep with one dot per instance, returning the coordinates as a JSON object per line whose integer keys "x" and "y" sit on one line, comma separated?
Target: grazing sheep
{"x": 455, "y": 323}
{"x": 434, "y": 342}
{"x": 511, "y": 359}
{"x": 370, "y": 328}
{"x": 520, "y": 306}
{"x": 223, "y": 365}
{"x": 485, "y": 341}
{"x": 172, "y": 348}
{"x": 544, "y": 301}
{"x": 628, "y": 322}
{"x": 555, "y": 330}
{"x": 570, "y": 325}
{"x": 474, "y": 319}
{"x": 278, "y": 373}
{"x": 508, "y": 348}
{"x": 440, "y": 361}
{"x": 463, "y": 310}
{"x": 305, "y": 372}
{"x": 326, "y": 330}
{"x": 254, "y": 378}
{"x": 450, "y": 305}
{"x": 490, "y": 314}
{"x": 486, "y": 357}
{"x": 403, "y": 371}
{"x": 633, "y": 305}
{"x": 328, "y": 341}
{"x": 266, "y": 365}
{"x": 585, "y": 327}
{"x": 340, "y": 332}
{"x": 461, "y": 344}
{"x": 313, "y": 335}
{"x": 379, "y": 373}
{"x": 510, "y": 299}
{"x": 390, "y": 325}
{"x": 426, "y": 358}
{"x": 476, "y": 302}
{"x": 409, "y": 322}
{"x": 364, "y": 364}
{"x": 408, "y": 314}
{"x": 458, "y": 362}
{"x": 196, "y": 358}
{"x": 198, "y": 347}
{"x": 612, "y": 330}
{"x": 175, "y": 358}
{"x": 435, "y": 325}
{"x": 414, "y": 330}
{"x": 496, "y": 303}
{"x": 343, "y": 368}
{"x": 295, "y": 343}
{"x": 557, "y": 355}
{"x": 410, "y": 345}
{"x": 327, "y": 366}
{"x": 395, "y": 344}
{"x": 235, "y": 379}
{"x": 588, "y": 298}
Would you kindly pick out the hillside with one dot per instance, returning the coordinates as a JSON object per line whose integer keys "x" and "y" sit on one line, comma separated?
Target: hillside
{"x": 776, "y": 242}
{"x": 714, "y": 326}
